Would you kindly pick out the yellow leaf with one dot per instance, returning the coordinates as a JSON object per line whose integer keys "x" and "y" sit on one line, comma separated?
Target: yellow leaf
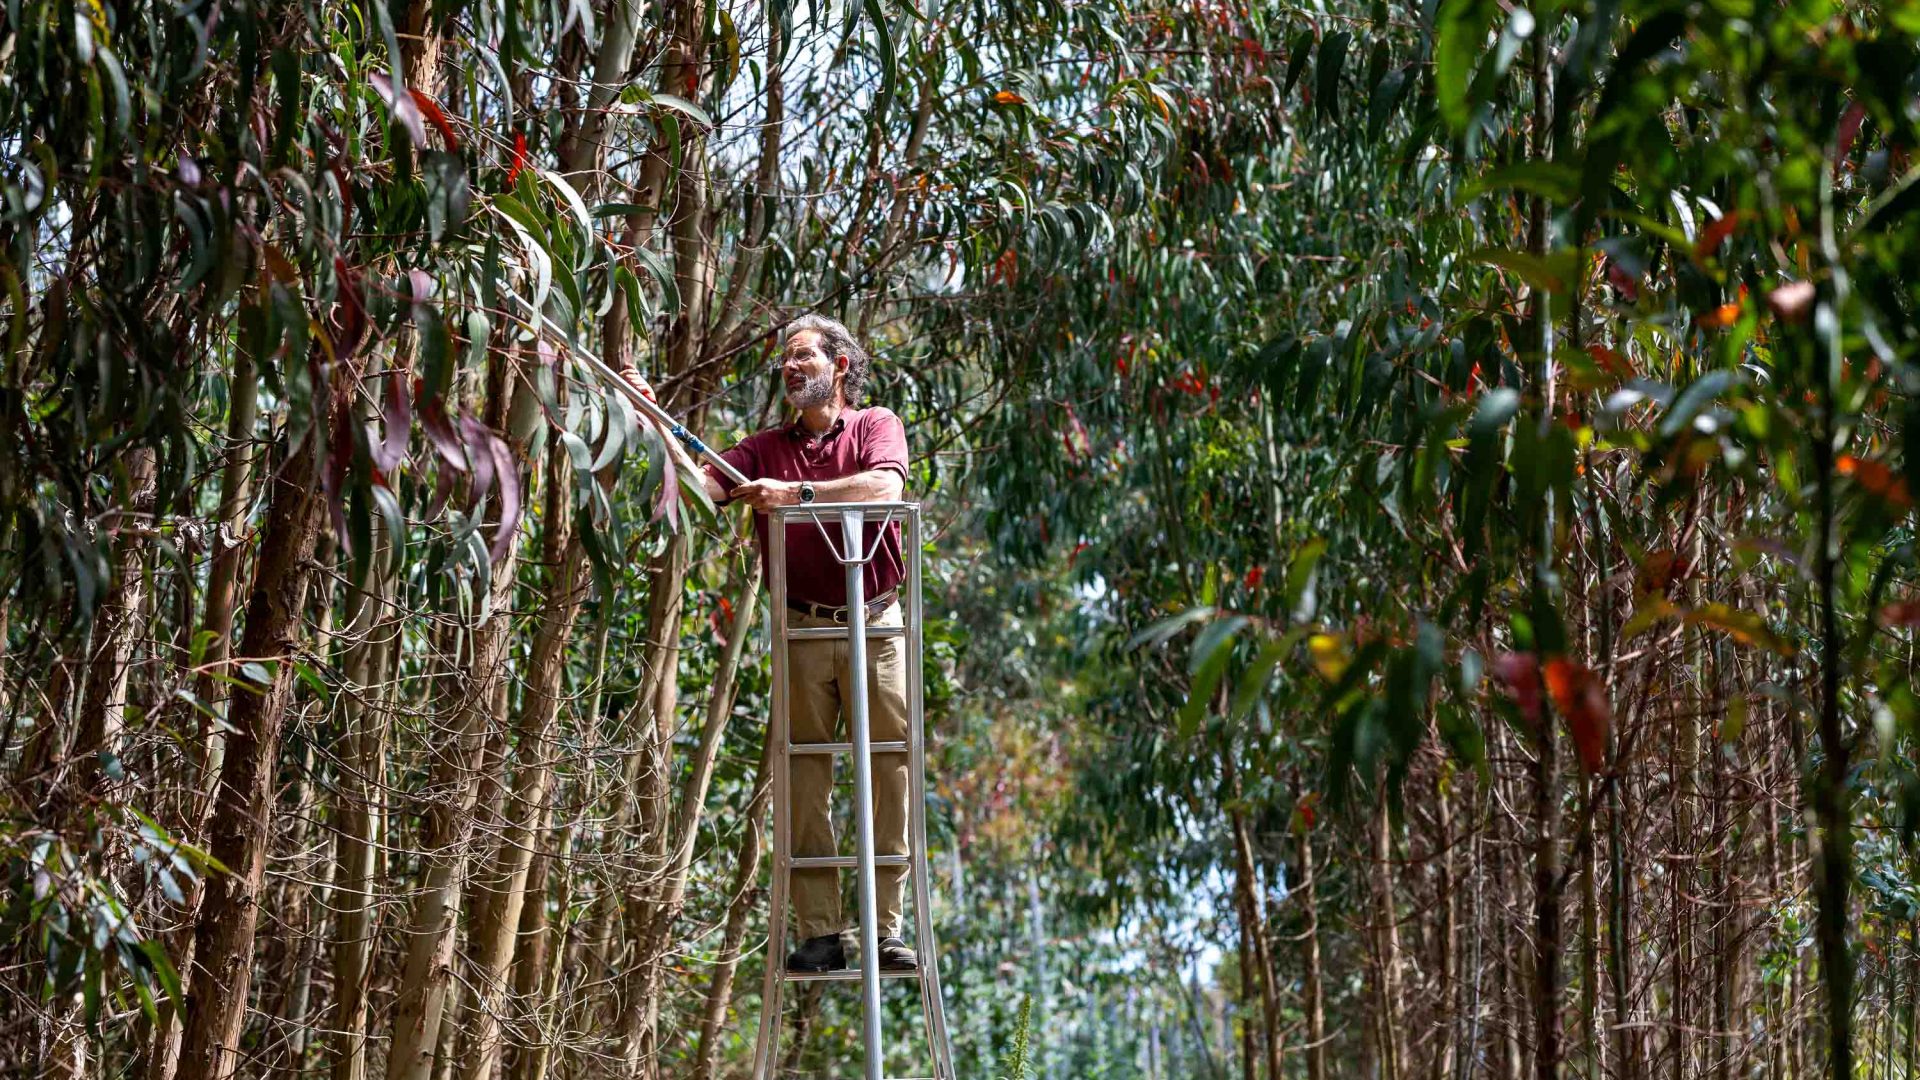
{"x": 1330, "y": 657}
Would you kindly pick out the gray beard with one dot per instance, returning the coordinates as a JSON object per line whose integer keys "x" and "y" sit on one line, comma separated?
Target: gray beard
{"x": 814, "y": 393}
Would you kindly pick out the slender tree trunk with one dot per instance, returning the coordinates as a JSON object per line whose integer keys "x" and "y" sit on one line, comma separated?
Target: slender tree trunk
{"x": 739, "y": 909}
{"x": 1388, "y": 937}
{"x": 536, "y": 971}
{"x": 693, "y": 791}
{"x": 103, "y": 698}
{"x": 1546, "y": 907}
{"x": 242, "y": 816}
{"x": 1310, "y": 946}
{"x": 229, "y": 551}
{"x": 1252, "y": 915}
{"x": 496, "y": 934}
{"x": 657, "y": 706}
{"x": 371, "y": 652}
{"x": 421, "y": 1001}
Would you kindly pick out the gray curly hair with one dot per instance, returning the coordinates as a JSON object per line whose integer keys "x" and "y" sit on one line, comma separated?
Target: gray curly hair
{"x": 837, "y": 340}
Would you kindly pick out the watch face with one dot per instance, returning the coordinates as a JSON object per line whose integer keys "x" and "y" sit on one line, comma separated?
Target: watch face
{"x": 806, "y": 493}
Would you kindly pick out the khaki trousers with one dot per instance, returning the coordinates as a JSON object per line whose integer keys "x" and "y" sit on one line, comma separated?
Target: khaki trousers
{"x": 818, "y": 678}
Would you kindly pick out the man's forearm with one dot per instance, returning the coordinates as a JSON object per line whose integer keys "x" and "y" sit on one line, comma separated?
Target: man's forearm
{"x": 878, "y": 485}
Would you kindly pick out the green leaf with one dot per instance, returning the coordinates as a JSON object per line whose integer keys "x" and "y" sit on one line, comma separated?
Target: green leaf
{"x": 1302, "y": 603}
{"x": 1253, "y": 681}
{"x": 1326, "y": 73}
{"x": 1215, "y": 637}
{"x": 1550, "y": 274}
{"x": 1558, "y": 181}
{"x": 1297, "y": 54}
{"x": 1460, "y": 36}
{"x": 682, "y": 105}
{"x": 1695, "y": 398}
{"x": 1160, "y": 631}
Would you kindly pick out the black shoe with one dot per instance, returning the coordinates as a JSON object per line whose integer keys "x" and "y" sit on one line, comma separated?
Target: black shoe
{"x": 824, "y": 953}
{"x": 895, "y": 956}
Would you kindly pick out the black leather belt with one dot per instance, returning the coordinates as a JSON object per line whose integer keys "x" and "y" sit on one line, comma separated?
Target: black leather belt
{"x": 839, "y": 614}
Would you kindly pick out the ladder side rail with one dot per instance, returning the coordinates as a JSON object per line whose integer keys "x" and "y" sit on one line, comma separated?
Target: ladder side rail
{"x": 853, "y": 521}
{"x": 766, "y": 1051}
{"x": 932, "y": 1004}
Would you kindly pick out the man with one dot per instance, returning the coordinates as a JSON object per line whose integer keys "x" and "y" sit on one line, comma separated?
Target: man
{"x": 834, "y": 452}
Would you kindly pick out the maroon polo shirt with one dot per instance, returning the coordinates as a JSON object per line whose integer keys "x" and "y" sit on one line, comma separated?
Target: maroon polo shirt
{"x": 860, "y": 440}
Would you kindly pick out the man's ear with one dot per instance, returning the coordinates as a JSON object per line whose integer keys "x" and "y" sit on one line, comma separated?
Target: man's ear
{"x": 841, "y": 363}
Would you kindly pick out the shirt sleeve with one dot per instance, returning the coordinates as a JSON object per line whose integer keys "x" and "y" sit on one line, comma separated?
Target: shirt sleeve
{"x": 885, "y": 444}
{"x": 745, "y": 456}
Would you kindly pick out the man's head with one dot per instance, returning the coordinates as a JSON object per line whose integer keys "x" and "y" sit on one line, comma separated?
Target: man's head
{"x": 821, "y": 358}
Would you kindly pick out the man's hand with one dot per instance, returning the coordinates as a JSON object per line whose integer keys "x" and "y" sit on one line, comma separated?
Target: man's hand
{"x": 764, "y": 495}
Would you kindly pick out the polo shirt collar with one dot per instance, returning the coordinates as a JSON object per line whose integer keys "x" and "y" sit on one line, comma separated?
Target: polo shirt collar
{"x": 798, "y": 429}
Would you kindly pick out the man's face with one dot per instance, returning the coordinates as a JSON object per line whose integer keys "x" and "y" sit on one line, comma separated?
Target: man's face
{"x": 807, "y": 371}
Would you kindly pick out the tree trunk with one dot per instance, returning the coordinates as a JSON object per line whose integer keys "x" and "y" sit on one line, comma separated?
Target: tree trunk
{"x": 371, "y": 654}
{"x": 242, "y": 816}
{"x": 419, "y": 1006}
{"x": 745, "y": 899}
{"x": 1310, "y": 945}
{"x": 1387, "y": 936}
{"x": 496, "y": 934}
{"x": 657, "y": 705}
{"x": 693, "y": 793}
{"x": 1546, "y": 906}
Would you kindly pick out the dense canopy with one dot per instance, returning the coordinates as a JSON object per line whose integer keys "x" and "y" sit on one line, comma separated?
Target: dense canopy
{"x": 1421, "y": 584}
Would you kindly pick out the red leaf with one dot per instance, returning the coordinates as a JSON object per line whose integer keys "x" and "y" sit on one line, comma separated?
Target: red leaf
{"x": 1521, "y": 673}
{"x": 509, "y": 477}
{"x": 431, "y": 110}
{"x": 440, "y": 432}
{"x": 1611, "y": 362}
{"x": 474, "y": 436}
{"x": 1582, "y": 700}
{"x": 1716, "y": 231}
{"x": 396, "y": 421}
{"x": 349, "y": 312}
{"x": 1253, "y": 578}
{"x": 519, "y": 157}
{"x": 1622, "y": 282}
{"x": 1849, "y": 130}
{"x": 405, "y": 112}
{"x": 1901, "y": 613}
{"x": 1875, "y": 477}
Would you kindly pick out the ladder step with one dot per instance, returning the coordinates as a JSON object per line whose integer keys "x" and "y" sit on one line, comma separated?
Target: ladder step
{"x": 843, "y": 975}
{"x": 845, "y": 748}
{"x": 835, "y": 633}
{"x": 842, "y": 862}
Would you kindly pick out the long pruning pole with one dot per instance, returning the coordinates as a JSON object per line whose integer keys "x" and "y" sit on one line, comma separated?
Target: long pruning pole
{"x": 641, "y": 399}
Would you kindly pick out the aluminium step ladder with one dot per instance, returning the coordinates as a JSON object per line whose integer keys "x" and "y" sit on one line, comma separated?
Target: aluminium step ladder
{"x": 854, "y": 554}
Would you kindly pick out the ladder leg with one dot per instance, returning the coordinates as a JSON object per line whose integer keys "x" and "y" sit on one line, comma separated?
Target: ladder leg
{"x": 932, "y": 1006}
{"x": 851, "y": 525}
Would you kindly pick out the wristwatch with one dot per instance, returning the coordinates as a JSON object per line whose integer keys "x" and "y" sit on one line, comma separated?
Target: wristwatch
{"x": 806, "y": 492}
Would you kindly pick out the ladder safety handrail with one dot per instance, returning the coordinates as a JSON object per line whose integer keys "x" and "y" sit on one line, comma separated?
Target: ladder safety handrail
{"x": 834, "y": 549}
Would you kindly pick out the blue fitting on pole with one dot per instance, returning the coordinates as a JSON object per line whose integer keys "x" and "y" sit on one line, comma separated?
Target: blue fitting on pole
{"x": 693, "y": 441}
